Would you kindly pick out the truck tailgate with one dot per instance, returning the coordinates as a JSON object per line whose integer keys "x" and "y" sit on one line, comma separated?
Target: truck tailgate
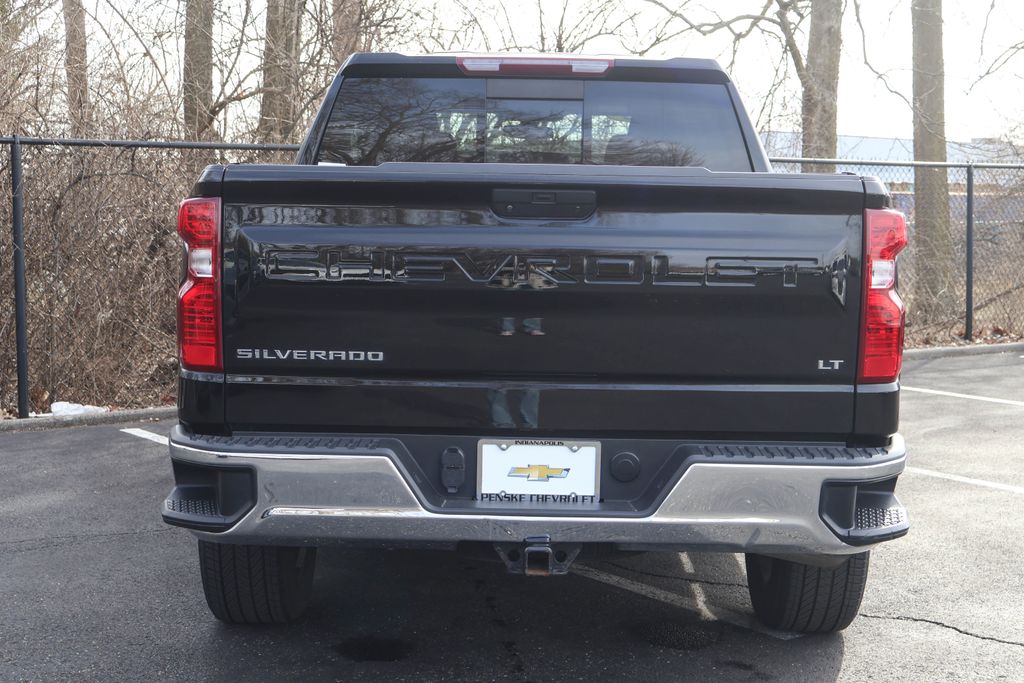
{"x": 565, "y": 299}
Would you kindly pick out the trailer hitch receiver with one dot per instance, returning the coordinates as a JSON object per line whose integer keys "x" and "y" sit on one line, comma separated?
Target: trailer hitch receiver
{"x": 538, "y": 556}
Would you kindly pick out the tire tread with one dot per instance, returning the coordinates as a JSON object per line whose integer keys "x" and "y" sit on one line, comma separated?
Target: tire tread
{"x": 247, "y": 584}
{"x": 807, "y": 598}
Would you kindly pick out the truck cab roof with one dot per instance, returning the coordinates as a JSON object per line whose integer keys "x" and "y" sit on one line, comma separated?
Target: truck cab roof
{"x": 682, "y": 69}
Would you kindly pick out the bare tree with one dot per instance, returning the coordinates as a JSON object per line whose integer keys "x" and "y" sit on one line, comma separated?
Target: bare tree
{"x": 820, "y": 80}
{"x": 197, "y": 70}
{"x": 346, "y": 28}
{"x": 933, "y": 257}
{"x": 76, "y": 67}
{"x": 280, "y": 69}
{"x": 24, "y": 64}
{"x": 565, "y": 31}
{"x": 541, "y": 26}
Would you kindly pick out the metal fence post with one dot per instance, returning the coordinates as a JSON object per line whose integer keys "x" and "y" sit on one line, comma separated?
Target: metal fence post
{"x": 20, "y": 331}
{"x": 969, "y": 313}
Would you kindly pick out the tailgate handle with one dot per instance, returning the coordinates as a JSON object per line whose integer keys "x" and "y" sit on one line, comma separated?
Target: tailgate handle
{"x": 520, "y": 203}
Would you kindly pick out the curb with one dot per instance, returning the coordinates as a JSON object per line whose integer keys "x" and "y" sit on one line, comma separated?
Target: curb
{"x": 113, "y": 416}
{"x": 966, "y": 350}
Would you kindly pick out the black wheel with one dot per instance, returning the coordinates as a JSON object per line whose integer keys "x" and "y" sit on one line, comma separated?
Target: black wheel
{"x": 249, "y": 584}
{"x": 792, "y": 596}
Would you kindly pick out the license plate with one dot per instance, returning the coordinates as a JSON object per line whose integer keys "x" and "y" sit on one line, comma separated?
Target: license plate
{"x": 538, "y": 471}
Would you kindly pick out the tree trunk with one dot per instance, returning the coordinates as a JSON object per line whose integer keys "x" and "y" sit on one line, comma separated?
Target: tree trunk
{"x": 346, "y": 28}
{"x": 197, "y": 73}
{"x": 932, "y": 242}
{"x": 280, "y": 70}
{"x": 76, "y": 67}
{"x": 821, "y": 82}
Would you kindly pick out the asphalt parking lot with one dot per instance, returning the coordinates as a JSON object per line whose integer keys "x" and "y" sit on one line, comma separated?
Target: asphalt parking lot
{"x": 93, "y": 586}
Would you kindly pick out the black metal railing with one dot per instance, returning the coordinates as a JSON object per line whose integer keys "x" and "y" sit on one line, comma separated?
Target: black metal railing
{"x": 1002, "y": 229}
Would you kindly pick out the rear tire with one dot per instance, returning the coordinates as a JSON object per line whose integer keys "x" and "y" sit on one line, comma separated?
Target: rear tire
{"x": 791, "y": 596}
{"x": 248, "y": 584}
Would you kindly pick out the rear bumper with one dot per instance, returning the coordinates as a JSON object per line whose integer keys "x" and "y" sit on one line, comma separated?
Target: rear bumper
{"x": 317, "y": 498}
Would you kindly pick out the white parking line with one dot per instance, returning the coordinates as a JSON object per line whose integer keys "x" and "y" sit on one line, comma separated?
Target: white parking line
{"x": 700, "y": 606}
{"x": 144, "y": 434}
{"x": 953, "y": 394}
{"x": 966, "y": 480}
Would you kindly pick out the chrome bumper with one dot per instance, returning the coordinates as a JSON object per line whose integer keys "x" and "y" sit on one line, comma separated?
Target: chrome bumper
{"x": 734, "y": 507}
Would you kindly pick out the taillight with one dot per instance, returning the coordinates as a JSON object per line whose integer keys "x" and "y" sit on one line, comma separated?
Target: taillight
{"x": 199, "y": 296}
{"x": 534, "y": 66}
{"x": 883, "y": 319}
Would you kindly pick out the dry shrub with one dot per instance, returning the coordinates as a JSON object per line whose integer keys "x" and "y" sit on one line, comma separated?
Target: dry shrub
{"x": 103, "y": 261}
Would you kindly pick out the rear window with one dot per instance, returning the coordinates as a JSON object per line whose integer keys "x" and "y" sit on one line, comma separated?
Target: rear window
{"x": 376, "y": 120}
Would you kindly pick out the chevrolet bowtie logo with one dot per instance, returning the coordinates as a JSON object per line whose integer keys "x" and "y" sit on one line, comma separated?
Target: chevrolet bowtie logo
{"x": 539, "y": 472}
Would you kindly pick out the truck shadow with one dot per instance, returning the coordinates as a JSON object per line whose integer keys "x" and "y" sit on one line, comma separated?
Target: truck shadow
{"x": 427, "y": 615}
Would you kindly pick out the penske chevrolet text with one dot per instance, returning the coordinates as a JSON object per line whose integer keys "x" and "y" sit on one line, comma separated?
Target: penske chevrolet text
{"x": 548, "y": 308}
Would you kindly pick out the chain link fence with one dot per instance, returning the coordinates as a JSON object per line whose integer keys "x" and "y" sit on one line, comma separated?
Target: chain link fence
{"x": 101, "y": 259}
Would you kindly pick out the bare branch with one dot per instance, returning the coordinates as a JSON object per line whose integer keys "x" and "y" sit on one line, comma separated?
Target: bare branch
{"x": 864, "y": 52}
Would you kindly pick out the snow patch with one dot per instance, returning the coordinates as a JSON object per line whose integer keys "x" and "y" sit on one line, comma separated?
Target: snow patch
{"x": 65, "y": 408}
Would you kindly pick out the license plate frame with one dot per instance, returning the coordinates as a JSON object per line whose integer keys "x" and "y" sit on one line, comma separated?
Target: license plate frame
{"x": 552, "y": 454}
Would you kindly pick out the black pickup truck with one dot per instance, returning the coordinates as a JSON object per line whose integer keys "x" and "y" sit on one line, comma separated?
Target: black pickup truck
{"x": 551, "y": 307}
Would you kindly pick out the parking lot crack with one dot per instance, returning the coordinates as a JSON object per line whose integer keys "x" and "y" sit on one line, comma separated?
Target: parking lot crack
{"x": 940, "y": 624}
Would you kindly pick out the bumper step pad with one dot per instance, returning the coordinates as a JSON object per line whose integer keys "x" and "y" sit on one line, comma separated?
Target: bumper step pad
{"x": 864, "y": 513}
{"x": 209, "y": 498}
{"x": 198, "y": 507}
{"x": 879, "y": 518}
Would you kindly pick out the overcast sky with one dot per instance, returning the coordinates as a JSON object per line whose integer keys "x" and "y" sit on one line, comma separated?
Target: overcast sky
{"x": 866, "y": 107}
